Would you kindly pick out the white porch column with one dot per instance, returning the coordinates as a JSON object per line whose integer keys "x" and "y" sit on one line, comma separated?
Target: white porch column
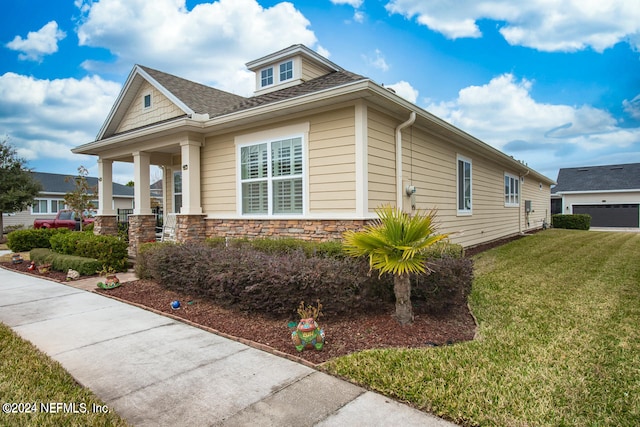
{"x": 141, "y": 189}
{"x": 190, "y": 151}
{"x": 105, "y": 187}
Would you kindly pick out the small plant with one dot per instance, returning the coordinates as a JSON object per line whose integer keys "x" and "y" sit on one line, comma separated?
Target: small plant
{"x": 106, "y": 270}
{"x": 309, "y": 311}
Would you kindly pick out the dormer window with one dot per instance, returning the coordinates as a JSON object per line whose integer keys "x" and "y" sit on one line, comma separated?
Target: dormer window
{"x": 286, "y": 71}
{"x": 146, "y": 103}
{"x": 266, "y": 77}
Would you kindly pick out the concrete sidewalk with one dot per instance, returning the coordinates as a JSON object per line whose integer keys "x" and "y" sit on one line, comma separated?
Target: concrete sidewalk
{"x": 156, "y": 371}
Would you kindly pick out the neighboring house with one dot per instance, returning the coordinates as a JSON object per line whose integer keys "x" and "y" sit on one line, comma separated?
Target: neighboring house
{"x": 313, "y": 153}
{"x": 610, "y": 194}
{"x": 51, "y": 199}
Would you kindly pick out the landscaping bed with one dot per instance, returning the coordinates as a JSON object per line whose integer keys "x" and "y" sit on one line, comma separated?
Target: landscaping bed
{"x": 344, "y": 335}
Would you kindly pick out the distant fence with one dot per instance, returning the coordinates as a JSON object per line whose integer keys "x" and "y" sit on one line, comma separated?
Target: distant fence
{"x": 123, "y": 216}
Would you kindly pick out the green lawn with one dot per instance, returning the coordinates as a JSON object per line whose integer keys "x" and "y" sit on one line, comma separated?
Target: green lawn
{"x": 558, "y": 340}
{"x": 30, "y": 378}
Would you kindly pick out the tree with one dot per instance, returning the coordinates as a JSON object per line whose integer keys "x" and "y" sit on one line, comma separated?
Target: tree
{"x": 395, "y": 243}
{"x": 79, "y": 200}
{"x": 18, "y": 188}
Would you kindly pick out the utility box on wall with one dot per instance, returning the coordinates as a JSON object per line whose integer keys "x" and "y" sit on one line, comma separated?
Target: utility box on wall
{"x": 527, "y": 206}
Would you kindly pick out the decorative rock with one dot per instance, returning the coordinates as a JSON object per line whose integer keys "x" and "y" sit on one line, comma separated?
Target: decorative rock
{"x": 175, "y": 304}
{"x": 72, "y": 275}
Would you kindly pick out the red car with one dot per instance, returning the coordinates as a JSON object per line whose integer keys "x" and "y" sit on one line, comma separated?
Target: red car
{"x": 64, "y": 219}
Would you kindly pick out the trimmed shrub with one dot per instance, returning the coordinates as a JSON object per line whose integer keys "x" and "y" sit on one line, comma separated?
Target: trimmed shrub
{"x": 25, "y": 240}
{"x": 448, "y": 285}
{"x": 146, "y": 252}
{"x": 273, "y": 284}
{"x": 281, "y": 246}
{"x": 573, "y": 222}
{"x": 108, "y": 250}
{"x": 59, "y": 262}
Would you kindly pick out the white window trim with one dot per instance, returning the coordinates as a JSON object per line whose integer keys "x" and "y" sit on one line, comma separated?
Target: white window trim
{"x": 463, "y": 212}
{"x": 48, "y": 200}
{"x": 273, "y": 77}
{"x": 144, "y": 96}
{"x": 293, "y": 70}
{"x": 287, "y": 132}
{"x": 515, "y": 178}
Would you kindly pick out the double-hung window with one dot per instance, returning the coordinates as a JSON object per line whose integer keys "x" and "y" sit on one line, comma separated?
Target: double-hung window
{"x": 286, "y": 71}
{"x": 47, "y": 206}
{"x": 271, "y": 177}
{"x": 464, "y": 186}
{"x": 266, "y": 77}
{"x": 511, "y": 190}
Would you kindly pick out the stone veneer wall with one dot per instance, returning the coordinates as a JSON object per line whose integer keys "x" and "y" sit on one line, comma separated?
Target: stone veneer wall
{"x": 319, "y": 230}
{"x": 142, "y": 229}
{"x": 105, "y": 225}
{"x": 190, "y": 228}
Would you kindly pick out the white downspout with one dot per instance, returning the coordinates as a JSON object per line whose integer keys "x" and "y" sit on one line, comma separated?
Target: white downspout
{"x": 399, "y": 189}
{"x": 521, "y": 200}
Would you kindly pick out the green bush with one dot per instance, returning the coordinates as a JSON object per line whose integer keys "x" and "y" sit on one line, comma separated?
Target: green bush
{"x": 274, "y": 283}
{"x": 573, "y": 222}
{"x": 146, "y": 252}
{"x": 60, "y": 262}
{"x": 281, "y": 246}
{"x": 108, "y": 250}
{"x": 25, "y": 240}
{"x": 444, "y": 249}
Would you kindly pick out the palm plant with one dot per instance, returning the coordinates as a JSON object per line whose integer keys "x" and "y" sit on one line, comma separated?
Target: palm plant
{"x": 395, "y": 243}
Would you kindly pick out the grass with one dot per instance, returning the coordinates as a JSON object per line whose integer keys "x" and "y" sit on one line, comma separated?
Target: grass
{"x": 28, "y": 376}
{"x": 558, "y": 344}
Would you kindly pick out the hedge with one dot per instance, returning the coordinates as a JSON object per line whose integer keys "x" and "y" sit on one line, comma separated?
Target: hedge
{"x": 25, "y": 240}
{"x": 108, "y": 250}
{"x": 274, "y": 283}
{"x": 59, "y": 262}
{"x": 574, "y": 222}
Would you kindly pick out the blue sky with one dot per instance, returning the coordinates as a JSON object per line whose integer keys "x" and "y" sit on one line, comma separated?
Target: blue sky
{"x": 552, "y": 83}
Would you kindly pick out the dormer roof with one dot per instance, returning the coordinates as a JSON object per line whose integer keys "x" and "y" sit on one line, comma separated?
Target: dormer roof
{"x": 290, "y": 52}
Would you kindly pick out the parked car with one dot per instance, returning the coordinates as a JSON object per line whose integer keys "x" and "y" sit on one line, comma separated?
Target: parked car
{"x": 64, "y": 219}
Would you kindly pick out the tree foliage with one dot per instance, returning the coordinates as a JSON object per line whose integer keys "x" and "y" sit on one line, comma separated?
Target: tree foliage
{"x": 396, "y": 243}
{"x": 80, "y": 199}
{"x": 18, "y": 188}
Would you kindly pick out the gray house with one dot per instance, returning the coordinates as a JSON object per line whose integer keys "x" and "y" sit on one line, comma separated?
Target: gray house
{"x": 610, "y": 194}
{"x": 51, "y": 198}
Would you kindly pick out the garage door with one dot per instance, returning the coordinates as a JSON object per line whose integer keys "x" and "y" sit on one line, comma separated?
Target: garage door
{"x": 611, "y": 215}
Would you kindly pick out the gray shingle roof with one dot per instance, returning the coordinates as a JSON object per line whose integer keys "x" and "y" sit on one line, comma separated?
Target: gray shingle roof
{"x": 200, "y": 98}
{"x": 204, "y": 99}
{"x": 57, "y": 184}
{"x": 599, "y": 178}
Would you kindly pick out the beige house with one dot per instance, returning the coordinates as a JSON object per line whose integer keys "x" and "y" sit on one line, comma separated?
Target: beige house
{"x": 311, "y": 154}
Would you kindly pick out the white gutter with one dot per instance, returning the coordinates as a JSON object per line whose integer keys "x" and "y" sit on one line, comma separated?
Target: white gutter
{"x": 399, "y": 195}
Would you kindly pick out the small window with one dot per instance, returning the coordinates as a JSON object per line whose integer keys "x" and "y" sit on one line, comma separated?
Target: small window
{"x": 464, "y": 185}
{"x": 511, "y": 190}
{"x": 266, "y": 77}
{"x": 177, "y": 191}
{"x": 286, "y": 71}
{"x": 147, "y": 101}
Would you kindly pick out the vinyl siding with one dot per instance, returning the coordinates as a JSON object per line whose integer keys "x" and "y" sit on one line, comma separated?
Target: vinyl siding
{"x": 311, "y": 71}
{"x": 161, "y": 109}
{"x": 381, "y": 159}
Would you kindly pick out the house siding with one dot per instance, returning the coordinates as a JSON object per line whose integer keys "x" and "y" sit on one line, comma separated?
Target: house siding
{"x": 429, "y": 163}
{"x": 311, "y": 71}
{"x": 161, "y": 109}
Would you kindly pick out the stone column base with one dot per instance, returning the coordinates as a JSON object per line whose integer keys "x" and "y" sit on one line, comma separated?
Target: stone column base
{"x": 190, "y": 228}
{"x": 106, "y": 225}
{"x": 142, "y": 229}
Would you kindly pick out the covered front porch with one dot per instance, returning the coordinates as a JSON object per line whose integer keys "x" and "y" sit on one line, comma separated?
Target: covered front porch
{"x": 178, "y": 157}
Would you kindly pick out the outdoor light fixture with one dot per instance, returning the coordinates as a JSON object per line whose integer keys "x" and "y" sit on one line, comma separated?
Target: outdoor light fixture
{"x": 185, "y": 167}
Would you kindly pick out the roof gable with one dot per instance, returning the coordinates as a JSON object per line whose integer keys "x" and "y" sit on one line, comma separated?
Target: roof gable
{"x": 187, "y": 97}
{"x": 599, "y": 178}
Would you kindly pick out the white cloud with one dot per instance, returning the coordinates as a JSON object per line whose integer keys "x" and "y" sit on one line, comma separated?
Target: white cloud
{"x": 377, "y": 61}
{"x": 547, "y": 26}
{"x": 632, "y": 107}
{"x": 46, "y": 118}
{"x": 354, "y": 3}
{"x": 38, "y": 43}
{"x": 503, "y": 114}
{"x": 210, "y": 43}
{"x": 405, "y": 90}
